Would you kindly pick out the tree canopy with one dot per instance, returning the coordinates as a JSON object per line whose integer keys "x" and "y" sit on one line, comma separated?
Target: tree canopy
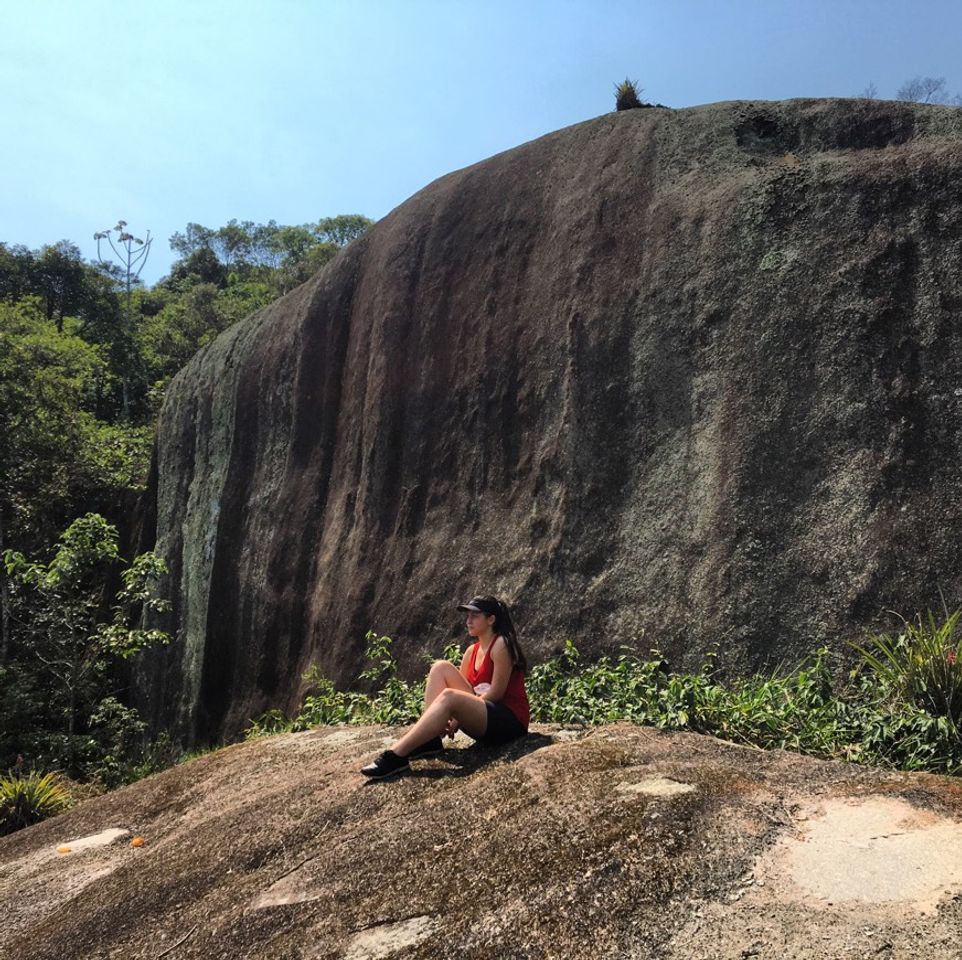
{"x": 86, "y": 351}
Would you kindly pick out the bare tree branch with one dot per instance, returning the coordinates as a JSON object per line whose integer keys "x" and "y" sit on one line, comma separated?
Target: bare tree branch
{"x": 923, "y": 90}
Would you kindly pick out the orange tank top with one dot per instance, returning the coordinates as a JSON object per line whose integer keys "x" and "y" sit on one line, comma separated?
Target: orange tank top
{"x": 515, "y": 697}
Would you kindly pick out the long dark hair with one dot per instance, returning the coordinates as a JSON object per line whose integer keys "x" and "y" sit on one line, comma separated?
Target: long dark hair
{"x": 504, "y": 627}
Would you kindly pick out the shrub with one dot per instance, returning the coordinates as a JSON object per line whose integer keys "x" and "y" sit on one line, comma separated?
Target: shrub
{"x": 627, "y": 95}
{"x": 921, "y": 666}
{"x": 396, "y": 701}
{"x": 29, "y": 798}
{"x": 118, "y": 756}
{"x": 57, "y": 682}
{"x": 813, "y": 708}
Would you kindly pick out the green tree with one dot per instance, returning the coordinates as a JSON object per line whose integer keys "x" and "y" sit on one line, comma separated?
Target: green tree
{"x": 17, "y": 270}
{"x": 61, "y": 275}
{"x": 232, "y": 243}
{"x": 69, "y": 632}
{"x": 239, "y": 299}
{"x": 265, "y": 251}
{"x": 131, "y": 255}
{"x": 195, "y": 237}
{"x": 300, "y": 255}
{"x": 56, "y": 458}
{"x": 58, "y": 275}
{"x": 193, "y": 314}
{"x": 342, "y": 229}
{"x": 201, "y": 266}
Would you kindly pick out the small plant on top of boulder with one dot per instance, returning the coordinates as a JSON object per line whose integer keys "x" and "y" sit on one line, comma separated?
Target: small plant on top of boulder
{"x": 627, "y": 95}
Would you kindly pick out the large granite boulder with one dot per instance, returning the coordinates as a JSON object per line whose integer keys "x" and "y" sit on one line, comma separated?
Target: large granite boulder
{"x": 618, "y": 843}
{"x": 663, "y": 378}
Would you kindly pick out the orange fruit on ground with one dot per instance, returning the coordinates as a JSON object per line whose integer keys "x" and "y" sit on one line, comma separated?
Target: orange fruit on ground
{"x": 137, "y": 842}
{"x": 63, "y": 849}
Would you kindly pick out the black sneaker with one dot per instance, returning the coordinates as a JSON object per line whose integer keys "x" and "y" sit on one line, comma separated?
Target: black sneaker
{"x": 429, "y": 749}
{"x": 385, "y": 765}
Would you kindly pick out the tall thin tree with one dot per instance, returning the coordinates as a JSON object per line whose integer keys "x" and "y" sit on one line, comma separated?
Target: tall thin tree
{"x": 131, "y": 254}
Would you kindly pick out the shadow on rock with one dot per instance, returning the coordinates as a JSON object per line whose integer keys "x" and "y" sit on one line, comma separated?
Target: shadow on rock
{"x": 462, "y": 762}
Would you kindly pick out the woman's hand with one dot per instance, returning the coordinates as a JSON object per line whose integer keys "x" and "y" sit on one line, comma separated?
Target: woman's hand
{"x": 452, "y": 728}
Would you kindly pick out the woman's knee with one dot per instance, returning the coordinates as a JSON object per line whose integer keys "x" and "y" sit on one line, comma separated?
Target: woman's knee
{"x": 455, "y": 701}
{"x": 468, "y": 710}
{"x": 446, "y": 697}
{"x": 441, "y": 667}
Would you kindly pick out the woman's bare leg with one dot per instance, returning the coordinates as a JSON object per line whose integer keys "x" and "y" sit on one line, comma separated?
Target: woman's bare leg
{"x": 470, "y": 711}
{"x": 443, "y": 674}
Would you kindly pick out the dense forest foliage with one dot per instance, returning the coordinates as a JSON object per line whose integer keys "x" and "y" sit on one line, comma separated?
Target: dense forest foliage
{"x": 86, "y": 352}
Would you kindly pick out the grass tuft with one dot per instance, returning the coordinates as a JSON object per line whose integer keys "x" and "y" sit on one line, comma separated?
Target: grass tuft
{"x": 28, "y": 798}
{"x": 922, "y": 665}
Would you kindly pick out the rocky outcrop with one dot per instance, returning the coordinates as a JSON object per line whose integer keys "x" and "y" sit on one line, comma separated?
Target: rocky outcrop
{"x": 663, "y": 378}
{"x": 618, "y": 842}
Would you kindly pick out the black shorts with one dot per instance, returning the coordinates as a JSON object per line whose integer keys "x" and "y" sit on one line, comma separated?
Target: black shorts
{"x": 503, "y": 726}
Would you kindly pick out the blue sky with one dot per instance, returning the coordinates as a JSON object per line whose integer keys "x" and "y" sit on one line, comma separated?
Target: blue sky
{"x": 176, "y": 111}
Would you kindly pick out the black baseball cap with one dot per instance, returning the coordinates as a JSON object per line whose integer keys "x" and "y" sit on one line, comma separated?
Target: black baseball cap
{"x": 486, "y": 605}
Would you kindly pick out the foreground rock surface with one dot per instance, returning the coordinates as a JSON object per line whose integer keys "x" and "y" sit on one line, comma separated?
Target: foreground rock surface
{"x": 695, "y": 368}
{"x": 618, "y": 842}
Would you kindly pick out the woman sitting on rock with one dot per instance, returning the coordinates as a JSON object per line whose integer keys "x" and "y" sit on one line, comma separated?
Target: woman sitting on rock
{"x": 486, "y": 698}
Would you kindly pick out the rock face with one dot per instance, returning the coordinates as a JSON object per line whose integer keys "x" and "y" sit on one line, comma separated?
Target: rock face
{"x": 663, "y": 378}
{"x": 619, "y": 842}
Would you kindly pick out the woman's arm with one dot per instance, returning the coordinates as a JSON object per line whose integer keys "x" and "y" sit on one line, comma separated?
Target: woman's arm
{"x": 465, "y": 661}
{"x": 503, "y": 665}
